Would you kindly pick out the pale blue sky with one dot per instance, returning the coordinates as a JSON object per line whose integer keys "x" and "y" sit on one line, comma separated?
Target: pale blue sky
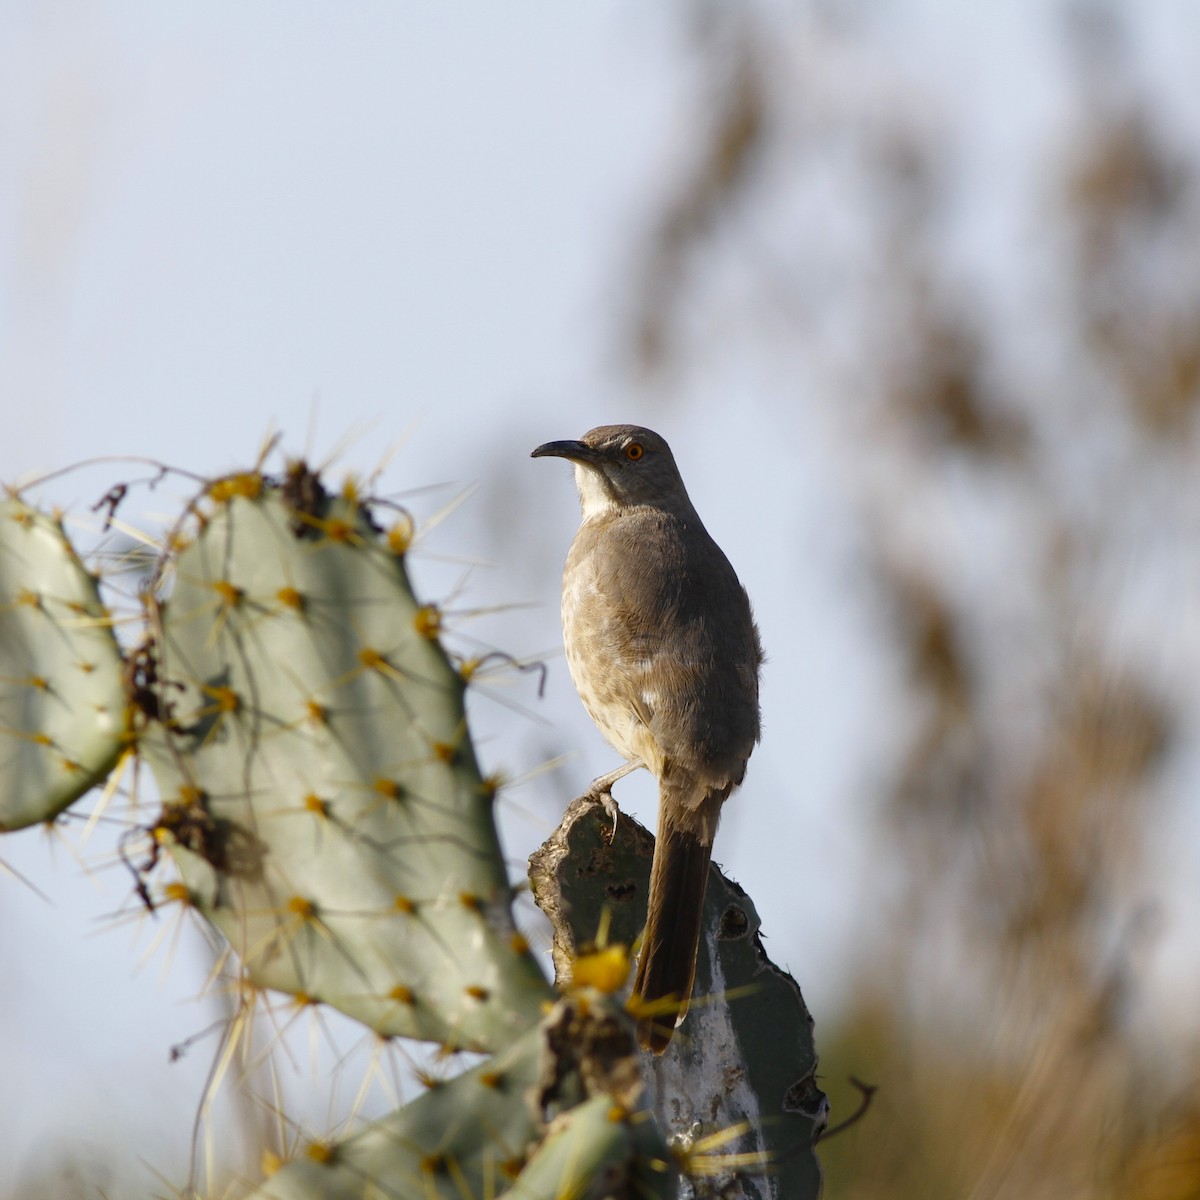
{"x": 392, "y": 220}
{"x": 419, "y": 220}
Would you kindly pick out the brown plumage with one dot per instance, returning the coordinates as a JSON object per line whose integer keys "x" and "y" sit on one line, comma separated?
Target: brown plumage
{"x": 665, "y": 656}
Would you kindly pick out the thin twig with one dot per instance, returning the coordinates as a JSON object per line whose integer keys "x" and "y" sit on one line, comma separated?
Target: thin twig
{"x": 866, "y": 1091}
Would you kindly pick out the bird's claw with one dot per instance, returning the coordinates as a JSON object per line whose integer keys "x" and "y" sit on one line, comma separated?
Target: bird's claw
{"x": 605, "y": 799}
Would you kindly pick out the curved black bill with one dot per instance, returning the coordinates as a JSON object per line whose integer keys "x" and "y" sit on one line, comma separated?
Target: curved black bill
{"x": 577, "y": 451}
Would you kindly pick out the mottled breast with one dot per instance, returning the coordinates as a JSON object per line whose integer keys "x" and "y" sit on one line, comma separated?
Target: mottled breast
{"x": 661, "y": 643}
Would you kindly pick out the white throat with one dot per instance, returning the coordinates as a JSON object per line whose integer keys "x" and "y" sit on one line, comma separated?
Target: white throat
{"x": 594, "y": 497}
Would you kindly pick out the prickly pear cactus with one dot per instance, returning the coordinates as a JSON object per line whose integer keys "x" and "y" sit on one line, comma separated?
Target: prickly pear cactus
{"x": 743, "y": 1061}
{"x": 595, "y": 1151}
{"x": 321, "y": 794}
{"x": 475, "y": 1128}
{"x": 492, "y": 1131}
{"x": 322, "y": 802}
{"x": 62, "y": 704}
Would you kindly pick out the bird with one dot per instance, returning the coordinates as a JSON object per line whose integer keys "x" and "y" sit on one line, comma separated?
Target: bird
{"x": 665, "y": 654}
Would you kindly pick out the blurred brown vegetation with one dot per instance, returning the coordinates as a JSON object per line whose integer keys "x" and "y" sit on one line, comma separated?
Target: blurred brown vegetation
{"x": 1002, "y": 1009}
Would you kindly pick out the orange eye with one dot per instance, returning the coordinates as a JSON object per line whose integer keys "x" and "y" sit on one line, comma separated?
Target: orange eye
{"x": 634, "y": 451}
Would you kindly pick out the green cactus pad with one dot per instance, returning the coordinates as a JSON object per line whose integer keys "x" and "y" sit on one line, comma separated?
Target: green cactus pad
{"x": 745, "y": 1052}
{"x": 321, "y": 793}
{"x": 62, "y": 704}
{"x": 483, "y": 1133}
{"x": 595, "y": 1151}
{"x": 468, "y": 1137}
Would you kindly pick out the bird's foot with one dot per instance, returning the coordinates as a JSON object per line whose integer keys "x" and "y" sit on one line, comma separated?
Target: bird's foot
{"x": 604, "y": 797}
{"x": 601, "y": 792}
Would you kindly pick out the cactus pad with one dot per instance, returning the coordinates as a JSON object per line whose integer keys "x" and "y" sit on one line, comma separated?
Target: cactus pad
{"x": 321, "y": 793}
{"x": 745, "y": 1053}
{"x": 62, "y": 704}
{"x": 485, "y": 1133}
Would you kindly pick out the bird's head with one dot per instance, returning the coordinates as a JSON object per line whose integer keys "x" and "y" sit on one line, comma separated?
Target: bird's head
{"x": 621, "y": 466}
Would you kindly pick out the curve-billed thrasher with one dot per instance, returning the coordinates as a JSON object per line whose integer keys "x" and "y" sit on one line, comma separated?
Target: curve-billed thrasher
{"x": 665, "y": 656}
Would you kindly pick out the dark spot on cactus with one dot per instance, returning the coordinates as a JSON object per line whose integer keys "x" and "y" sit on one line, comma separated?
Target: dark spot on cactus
{"x": 590, "y": 1045}
{"x": 305, "y": 498}
{"x": 226, "y": 846}
{"x": 229, "y": 848}
{"x": 621, "y": 893}
{"x": 806, "y": 1098}
{"x": 188, "y": 823}
{"x": 734, "y": 923}
{"x": 144, "y": 690}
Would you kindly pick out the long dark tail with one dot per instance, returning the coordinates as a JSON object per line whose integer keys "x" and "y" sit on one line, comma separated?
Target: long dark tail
{"x": 667, "y": 965}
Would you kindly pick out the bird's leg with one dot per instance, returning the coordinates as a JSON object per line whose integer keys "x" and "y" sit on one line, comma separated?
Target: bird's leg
{"x": 601, "y": 790}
